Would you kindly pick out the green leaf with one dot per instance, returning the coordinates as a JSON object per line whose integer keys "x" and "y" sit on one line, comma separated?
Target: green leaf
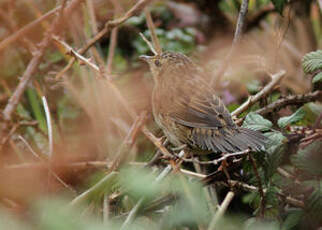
{"x": 309, "y": 159}
{"x": 317, "y": 78}
{"x": 257, "y": 122}
{"x": 312, "y": 61}
{"x": 275, "y": 149}
{"x": 139, "y": 182}
{"x": 279, "y": 5}
{"x": 295, "y": 117}
{"x": 292, "y": 220}
{"x": 314, "y": 202}
{"x": 253, "y": 86}
{"x": 37, "y": 108}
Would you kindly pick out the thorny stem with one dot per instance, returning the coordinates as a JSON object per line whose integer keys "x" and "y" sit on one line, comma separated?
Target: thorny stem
{"x": 109, "y": 25}
{"x": 260, "y": 186}
{"x": 290, "y": 100}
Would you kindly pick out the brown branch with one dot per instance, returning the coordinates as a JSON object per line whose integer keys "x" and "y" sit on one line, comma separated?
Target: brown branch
{"x": 33, "y": 65}
{"x": 92, "y": 16}
{"x": 156, "y": 141}
{"x": 288, "y": 199}
{"x": 237, "y": 38}
{"x": 217, "y": 161}
{"x": 260, "y": 186}
{"x": 113, "y": 39}
{"x": 20, "y": 33}
{"x": 111, "y": 50}
{"x": 151, "y": 27}
{"x": 149, "y": 44}
{"x": 276, "y": 78}
{"x": 290, "y": 100}
{"x": 128, "y": 141}
{"x": 109, "y": 25}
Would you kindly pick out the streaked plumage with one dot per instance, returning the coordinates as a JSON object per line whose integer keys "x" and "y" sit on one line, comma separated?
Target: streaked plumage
{"x": 188, "y": 111}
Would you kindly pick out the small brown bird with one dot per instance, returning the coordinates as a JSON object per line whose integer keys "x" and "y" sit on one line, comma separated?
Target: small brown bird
{"x": 188, "y": 111}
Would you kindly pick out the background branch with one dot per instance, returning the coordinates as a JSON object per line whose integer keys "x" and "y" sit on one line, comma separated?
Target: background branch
{"x": 237, "y": 37}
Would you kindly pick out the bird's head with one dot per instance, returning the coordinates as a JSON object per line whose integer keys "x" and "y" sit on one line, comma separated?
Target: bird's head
{"x": 167, "y": 64}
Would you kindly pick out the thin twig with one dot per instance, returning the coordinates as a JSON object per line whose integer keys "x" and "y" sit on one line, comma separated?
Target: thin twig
{"x": 290, "y": 100}
{"x": 217, "y": 161}
{"x": 251, "y": 188}
{"x": 111, "y": 49}
{"x": 92, "y": 16}
{"x": 70, "y": 51}
{"x": 276, "y": 78}
{"x": 20, "y": 33}
{"x": 221, "y": 211}
{"x": 128, "y": 141}
{"x": 46, "y": 165}
{"x": 49, "y": 126}
{"x": 237, "y": 38}
{"x": 82, "y": 197}
{"x": 260, "y": 186}
{"x": 149, "y": 44}
{"x": 151, "y": 27}
{"x": 109, "y": 25}
{"x": 113, "y": 38}
{"x": 32, "y": 66}
{"x": 29, "y": 147}
{"x": 193, "y": 174}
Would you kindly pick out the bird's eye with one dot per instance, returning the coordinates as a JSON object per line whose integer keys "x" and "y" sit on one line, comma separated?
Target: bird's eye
{"x": 157, "y": 63}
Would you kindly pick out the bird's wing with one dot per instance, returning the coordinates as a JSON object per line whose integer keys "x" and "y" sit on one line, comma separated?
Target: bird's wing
{"x": 199, "y": 107}
{"x": 210, "y": 123}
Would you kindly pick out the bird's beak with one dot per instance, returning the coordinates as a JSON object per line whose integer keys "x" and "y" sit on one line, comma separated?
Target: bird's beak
{"x": 146, "y": 58}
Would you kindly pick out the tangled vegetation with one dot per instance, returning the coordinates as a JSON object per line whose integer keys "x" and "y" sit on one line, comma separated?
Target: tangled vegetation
{"x": 78, "y": 145}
